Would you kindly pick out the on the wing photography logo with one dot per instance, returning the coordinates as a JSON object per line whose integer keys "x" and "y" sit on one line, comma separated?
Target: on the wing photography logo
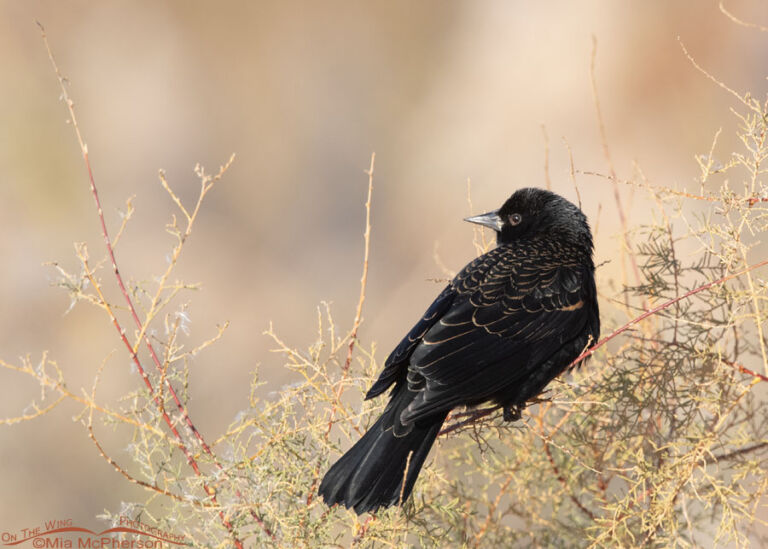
{"x": 63, "y": 534}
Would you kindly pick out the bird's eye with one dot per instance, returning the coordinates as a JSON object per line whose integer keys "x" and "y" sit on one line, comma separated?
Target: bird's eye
{"x": 515, "y": 219}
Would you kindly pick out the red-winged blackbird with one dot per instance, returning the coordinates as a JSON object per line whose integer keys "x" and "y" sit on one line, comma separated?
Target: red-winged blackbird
{"x": 509, "y": 323}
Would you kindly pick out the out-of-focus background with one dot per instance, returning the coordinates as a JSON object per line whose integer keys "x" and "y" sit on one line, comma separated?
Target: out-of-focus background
{"x": 304, "y": 92}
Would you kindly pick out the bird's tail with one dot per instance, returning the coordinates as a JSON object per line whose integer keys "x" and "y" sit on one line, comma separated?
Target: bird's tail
{"x": 370, "y": 475}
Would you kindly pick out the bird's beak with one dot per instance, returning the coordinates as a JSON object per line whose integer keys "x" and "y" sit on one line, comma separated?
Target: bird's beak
{"x": 490, "y": 220}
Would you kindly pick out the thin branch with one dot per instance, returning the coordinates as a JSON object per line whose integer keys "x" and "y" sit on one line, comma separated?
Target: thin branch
{"x": 744, "y": 369}
{"x": 478, "y": 235}
{"x": 364, "y": 276}
{"x": 749, "y": 200}
{"x": 362, "y": 530}
{"x": 589, "y": 352}
{"x": 564, "y": 483}
{"x": 744, "y": 99}
{"x": 110, "y": 251}
{"x": 572, "y": 170}
{"x": 116, "y": 466}
{"x": 472, "y": 417}
{"x": 492, "y": 509}
{"x": 740, "y": 452}
{"x": 626, "y": 250}
{"x": 37, "y": 413}
{"x": 738, "y": 21}
{"x": 547, "y": 180}
{"x": 405, "y": 477}
{"x": 353, "y": 333}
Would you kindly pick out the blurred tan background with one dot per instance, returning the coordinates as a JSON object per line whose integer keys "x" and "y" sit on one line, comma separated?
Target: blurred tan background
{"x": 303, "y": 92}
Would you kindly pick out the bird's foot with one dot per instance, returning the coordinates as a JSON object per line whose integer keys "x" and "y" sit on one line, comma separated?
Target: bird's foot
{"x": 512, "y": 412}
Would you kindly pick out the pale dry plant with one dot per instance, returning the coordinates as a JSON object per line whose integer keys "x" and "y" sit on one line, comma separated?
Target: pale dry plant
{"x": 660, "y": 440}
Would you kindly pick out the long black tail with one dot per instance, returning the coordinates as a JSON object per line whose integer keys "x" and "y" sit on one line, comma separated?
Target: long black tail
{"x": 370, "y": 475}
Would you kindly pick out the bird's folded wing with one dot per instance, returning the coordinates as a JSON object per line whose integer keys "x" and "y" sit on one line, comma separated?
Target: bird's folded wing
{"x": 396, "y": 363}
{"x": 509, "y": 316}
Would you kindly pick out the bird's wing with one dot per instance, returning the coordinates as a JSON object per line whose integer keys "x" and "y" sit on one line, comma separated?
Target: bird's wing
{"x": 396, "y": 365}
{"x": 513, "y": 309}
{"x": 397, "y": 362}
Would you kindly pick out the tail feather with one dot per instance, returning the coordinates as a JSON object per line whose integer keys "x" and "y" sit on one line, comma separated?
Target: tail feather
{"x": 370, "y": 475}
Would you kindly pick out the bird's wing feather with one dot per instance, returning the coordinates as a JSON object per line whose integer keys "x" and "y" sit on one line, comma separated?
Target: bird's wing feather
{"x": 396, "y": 363}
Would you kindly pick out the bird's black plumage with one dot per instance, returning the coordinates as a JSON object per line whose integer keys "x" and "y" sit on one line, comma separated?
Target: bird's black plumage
{"x": 503, "y": 328}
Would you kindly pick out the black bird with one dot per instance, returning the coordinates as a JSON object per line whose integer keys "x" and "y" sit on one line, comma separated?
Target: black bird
{"x": 506, "y": 325}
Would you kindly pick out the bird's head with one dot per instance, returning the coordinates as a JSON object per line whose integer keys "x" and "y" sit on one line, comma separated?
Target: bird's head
{"x": 531, "y": 213}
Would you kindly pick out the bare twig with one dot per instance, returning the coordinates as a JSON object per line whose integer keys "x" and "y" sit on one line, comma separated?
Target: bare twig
{"x": 743, "y": 369}
{"x": 364, "y": 276}
{"x": 353, "y": 333}
{"x": 118, "y": 277}
{"x": 547, "y": 180}
{"x": 405, "y": 477}
{"x": 572, "y": 170}
{"x": 564, "y": 483}
{"x": 739, "y": 452}
{"x": 589, "y": 352}
{"x": 738, "y": 21}
{"x": 745, "y": 99}
{"x": 362, "y": 530}
{"x": 472, "y": 417}
{"x": 478, "y": 235}
{"x": 492, "y": 510}
{"x": 626, "y": 250}
{"x": 749, "y": 201}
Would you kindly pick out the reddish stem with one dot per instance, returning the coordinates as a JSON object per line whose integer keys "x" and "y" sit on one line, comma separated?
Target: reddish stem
{"x": 478, "y": 414}
{"x": 666, "y": 304}
{"x": 110, "y": 251}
